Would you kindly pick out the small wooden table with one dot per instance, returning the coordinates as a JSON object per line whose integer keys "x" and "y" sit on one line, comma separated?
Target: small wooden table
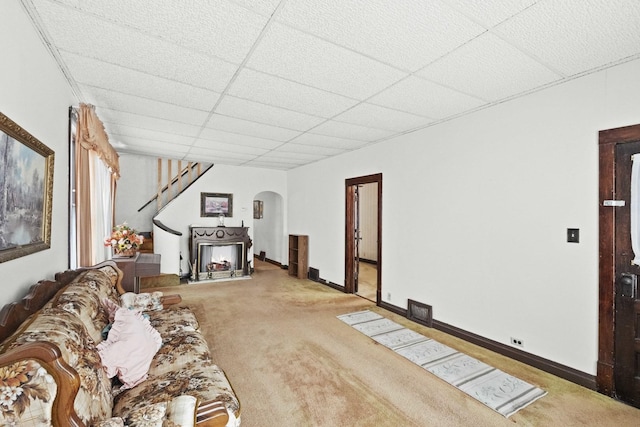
{"x": 140, "y": 265}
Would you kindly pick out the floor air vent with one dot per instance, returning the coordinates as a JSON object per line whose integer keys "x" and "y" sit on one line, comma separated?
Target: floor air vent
{"x": 420, "y": 313}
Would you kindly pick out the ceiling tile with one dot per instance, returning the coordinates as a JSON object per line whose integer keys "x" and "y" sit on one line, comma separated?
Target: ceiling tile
{"x": 575, "y": 39}
{"x": 144, "y": 122}
{"x": 271, "y": 90}
{"x": 499, "y": 70}
{"x": 132, "y": 133}
{"x": 159, "y": 146}
{"x": 489, "y": 13}
{"x": 314, "y": 139}
{"x": 129, "y": 48}
{"x": 266, "y": 114}
{"x": 145, "y": 107}
{"x": 307, "y": 79}
{"x": 407, "y": 35}
{"x": 270, "y": 165}
{"x": 213, "y": 153}
{"x": 374, "y": 116}
{"x": 282, "y": 154}
{"x": 216, "y": 27}
{"x": 262, "y": 7}
{"x": 246, "y": 127}
{"x": 418, "y": 96}
{"x": 91, "y": 72}
{"x": 309, "y": 60}
{"x": 350, "y": 131}
{"x": 312, "y": 149}
{"x": 228, "y": 148}
{"x": 239, "y": 139}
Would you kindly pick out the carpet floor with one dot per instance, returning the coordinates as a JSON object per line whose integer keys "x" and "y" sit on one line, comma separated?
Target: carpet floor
{"x": 292, "y": 362}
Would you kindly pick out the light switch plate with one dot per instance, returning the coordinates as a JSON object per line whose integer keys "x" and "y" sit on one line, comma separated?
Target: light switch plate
{"x": 573, "y": 235}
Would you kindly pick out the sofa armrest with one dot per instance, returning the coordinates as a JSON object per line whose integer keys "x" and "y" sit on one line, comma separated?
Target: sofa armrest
{"x": 67, "y": 380}
{"x": 212, "y": 414}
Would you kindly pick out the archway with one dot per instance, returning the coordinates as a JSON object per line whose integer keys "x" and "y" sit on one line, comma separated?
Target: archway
{"x": 268, "y": 227}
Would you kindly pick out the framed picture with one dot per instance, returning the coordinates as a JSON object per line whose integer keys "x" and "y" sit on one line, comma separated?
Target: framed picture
{"x": 216, "y": 204}
{"x": 26, "y": 192}
{"x": 257, "y": 209}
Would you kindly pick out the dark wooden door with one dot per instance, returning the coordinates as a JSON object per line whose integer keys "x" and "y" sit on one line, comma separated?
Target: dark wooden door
{"x": 352, "y": 237}
{"x": 627, "y": 300}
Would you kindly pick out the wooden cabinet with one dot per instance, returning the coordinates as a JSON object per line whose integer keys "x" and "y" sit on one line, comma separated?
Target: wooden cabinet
{"x": 140, "y": 265}
{"x": 298, "y": 255}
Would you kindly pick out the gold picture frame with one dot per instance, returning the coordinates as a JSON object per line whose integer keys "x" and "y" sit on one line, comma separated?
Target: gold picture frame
{"x": 26, "y": 192}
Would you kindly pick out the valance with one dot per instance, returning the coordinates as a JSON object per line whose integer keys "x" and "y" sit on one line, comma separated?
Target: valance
{"x": 92, "y": 136}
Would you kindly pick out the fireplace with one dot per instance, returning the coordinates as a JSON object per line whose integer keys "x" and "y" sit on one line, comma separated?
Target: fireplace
{"x": 219, "y": 261}
{"x": 219, "y": 252}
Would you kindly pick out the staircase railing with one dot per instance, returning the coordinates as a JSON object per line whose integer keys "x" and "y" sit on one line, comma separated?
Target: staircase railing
{"x": 175, "y": 184}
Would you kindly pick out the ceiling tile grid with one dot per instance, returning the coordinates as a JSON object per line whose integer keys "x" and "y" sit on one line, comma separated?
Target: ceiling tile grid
{"x": 395, "y": 33}
{"x": 309, "y": 60}
{"x": 279, "y": 92}
{"x": 260, "y": 130}
{"x": 91, "y": 72}
{"x": 281, "y": 83}
{"x": 573, "y": 39}
{"x": 499, "y": 70}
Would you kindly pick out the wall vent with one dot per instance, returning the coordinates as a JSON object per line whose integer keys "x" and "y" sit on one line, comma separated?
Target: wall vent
{"x": 420, "y": 313}
{"x": 314, "y": 274}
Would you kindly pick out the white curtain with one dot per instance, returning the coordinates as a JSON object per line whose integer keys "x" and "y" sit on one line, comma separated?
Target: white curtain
{"x": 101, "y": 207}
{"x": 635, "y": 208}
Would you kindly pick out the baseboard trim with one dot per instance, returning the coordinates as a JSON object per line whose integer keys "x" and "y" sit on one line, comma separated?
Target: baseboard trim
{"x": 557, "y": 369}
{"x": 393, "y": 308}
{"x": 269, "y": 260}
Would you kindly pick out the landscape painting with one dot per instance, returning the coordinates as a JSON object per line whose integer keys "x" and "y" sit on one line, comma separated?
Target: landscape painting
{"x": 216, "y": 204}
{"x": 26, "y": 185}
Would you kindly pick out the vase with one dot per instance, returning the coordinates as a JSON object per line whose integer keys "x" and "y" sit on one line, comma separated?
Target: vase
{"x": 124, "y": 253}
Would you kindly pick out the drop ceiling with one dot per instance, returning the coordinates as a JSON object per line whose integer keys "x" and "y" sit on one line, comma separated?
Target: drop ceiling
{"x": 280, "y": 84}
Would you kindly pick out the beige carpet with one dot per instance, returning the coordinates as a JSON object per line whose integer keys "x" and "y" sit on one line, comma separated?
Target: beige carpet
{"x": 293, "y": 363}
{"x": 368, "y": 281}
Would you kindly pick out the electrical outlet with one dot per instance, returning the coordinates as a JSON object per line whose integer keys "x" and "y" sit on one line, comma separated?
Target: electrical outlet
{"x": 517, "y": 341}
{"x": 388, "y": 296}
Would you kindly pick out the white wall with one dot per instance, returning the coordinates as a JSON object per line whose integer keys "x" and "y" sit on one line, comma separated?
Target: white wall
{"x": 137, "y": 184}
{"x": 243, "y": 182}
{"x": 35, "y": 95}
{"x": 475, "y": 212}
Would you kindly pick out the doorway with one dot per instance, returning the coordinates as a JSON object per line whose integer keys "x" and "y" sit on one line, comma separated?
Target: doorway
{"x": 363, "y": 231}
{"x": 619, "y": 333}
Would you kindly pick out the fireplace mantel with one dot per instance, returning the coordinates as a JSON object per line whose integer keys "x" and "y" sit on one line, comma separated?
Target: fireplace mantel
{"x": 218, "y": 236}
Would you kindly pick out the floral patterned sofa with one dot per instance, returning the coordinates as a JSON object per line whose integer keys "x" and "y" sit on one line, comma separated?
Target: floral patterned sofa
{"x": 51, "y": 371}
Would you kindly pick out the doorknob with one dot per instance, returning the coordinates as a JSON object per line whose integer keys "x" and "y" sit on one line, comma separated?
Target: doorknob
{"x": 628, "y": 285}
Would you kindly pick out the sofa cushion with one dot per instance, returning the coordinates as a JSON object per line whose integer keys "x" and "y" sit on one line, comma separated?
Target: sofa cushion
{"x": 129, "y": 348}
{"x": 83, "y": 297}
{"x": 62, "y": 328}
{"x": 142, "y": 302}
{"x": 204, "y": 381}
{"x": 174, "y": 320}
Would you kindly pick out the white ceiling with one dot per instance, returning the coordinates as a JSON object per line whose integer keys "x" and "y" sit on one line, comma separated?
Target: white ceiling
{"x": 279, "y": 84}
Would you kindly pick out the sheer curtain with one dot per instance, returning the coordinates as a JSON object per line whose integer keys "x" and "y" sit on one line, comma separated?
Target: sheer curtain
{"x": 96, "y": 172}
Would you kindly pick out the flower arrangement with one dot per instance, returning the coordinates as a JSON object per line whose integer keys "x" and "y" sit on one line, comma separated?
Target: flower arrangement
{"x": 124, "y": 240}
